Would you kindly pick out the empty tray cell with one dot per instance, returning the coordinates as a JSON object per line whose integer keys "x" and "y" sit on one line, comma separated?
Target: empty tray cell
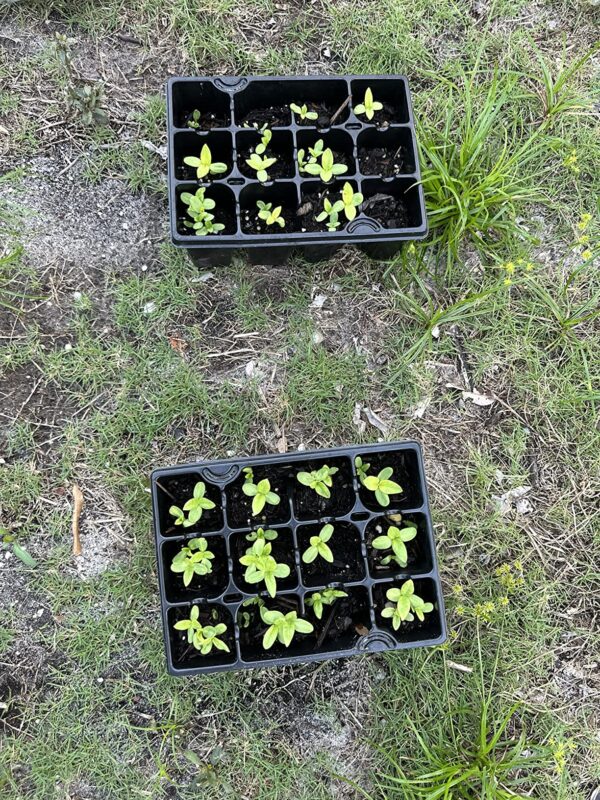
{"x": 386, "y": 153}
{"x": 312, "y": 203}
{"x": 394, "y": 204}
{"x": 220, "y": 144}
{"x": 280, "y": 147}
{"x": 343, "y": 622}
{"x": 252, "y": 630}
{"x": 223, "y": 212}
{"x": 239, "y": 505}
{"x": 263, "y": 103}
{"x": 391, "y": 93}
{"x": 430, "y": 628}
{"x": 206, "y": 586}
{"x": 345, "y": 545}
{"x": 173, "y": 491}
{"x": 418, "y": 550}
{"x": 282, "y": 550}
{"x": 277, "y": 194}
{"x": 322, "y": 97}
{"x": 214, "y": 106}
{"x": 309, "y": 504}
{"x": 184, "y": 654}
{"x": 339, "y": 142}
{"x": 405, "y": 471}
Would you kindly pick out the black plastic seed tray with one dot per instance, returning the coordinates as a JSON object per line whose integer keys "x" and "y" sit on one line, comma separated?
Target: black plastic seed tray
{"x": 381, "y": 156}
{"x": 353, "y": 624}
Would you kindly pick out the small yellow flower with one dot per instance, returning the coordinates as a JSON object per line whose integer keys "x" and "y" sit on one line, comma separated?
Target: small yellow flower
{"x": 571, "y": 162}
{"x": 529, "y": 266}
{"x": 587, "y": 254}
{"x": 412, "y": 248}
{"x": 583, "y": 239}
{"x": 458, "y": 588}
{"x": 510, "y": 267}
{"x": 460, "y": 610}
{"x": 504, "y": 601}
{"x": 507, "y": 282}
{"x": 485, "y": 611}
{"x": 518, "y": 565}
{"x": 520, "y": 261}
{"x": 584, "y": 221}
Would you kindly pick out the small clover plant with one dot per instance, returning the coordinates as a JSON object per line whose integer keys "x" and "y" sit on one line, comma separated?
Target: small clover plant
{"x": 318, "y": 600}
{"x": 394, "y": 540}
{"x": 382, "y": 486}
{"x": 362, "y": 469}
{"x": 260, "y": 164}
{"x": 195, "y": 506}
{"x": 194, "y": 119}
{"x": 327, "y": 169}
{"x": 369, "y": 106}
{"x": 319, "y": 547}
{"x": 319, "y": 480}
{"x": 193, "y": 559}
{"x": 282, "y": 627}
{"x": 303, "y": 112}
{"x": 265, "y": 139}
{"x": 260, "y": 533}
{"x": 261, "y": 566}
{"x": 405, "y": 602}
{"x": 331, "y": 213}
{"x": 204, "y": 165}
{"x": 202, "y": 637}
{"x": 260, "y": 493}
{"x": 269, "y": 214}
{"x": 351, "y": 200}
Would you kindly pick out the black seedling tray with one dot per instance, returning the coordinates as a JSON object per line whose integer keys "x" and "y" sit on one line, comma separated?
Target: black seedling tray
{"x": 355, "y": 623}
{"x": 381, "y": 156}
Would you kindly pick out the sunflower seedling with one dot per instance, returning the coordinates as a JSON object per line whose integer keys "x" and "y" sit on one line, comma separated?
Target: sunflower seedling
{"x": 318, "y": 546}
{"x": 362, "y": 469}
{"x": 270, "y": 215}
{"x": 204, "y": 165}
{"x": 194, "y": 558}
{"x": 382, "y": 486}
{"x": 194, "y": 119}
{"x": 318, "y": 600}
{"x": 198, "y": 208}
{"x": 320, "y": 480}
{"x": 282, "y": 627}
{"x": 403, "y": 602}
{"x": 351, "y": 200}
{"x": 261, "y": 566}
{"x": 369, "y": 106}
{"x": 260, "y": 493}
{"x": 195, "y": 507}
{"x": 331, "y": 213}
{"x": 260, "y": 165}
{"x": 327, "y": 169}
{"x": 260, "y": 533}
{"x": 265, "y": 139}
{"x": 394, "y": 540}
{"x": 202, "y": 637}
{"x": 303, "y": 112}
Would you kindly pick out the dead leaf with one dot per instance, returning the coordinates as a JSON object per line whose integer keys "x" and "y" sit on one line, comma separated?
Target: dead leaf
{"x": 478, "y": 398}
{"x": 159, "y": 150}
{"x": 319, "y": 301}
{"x": 375, "y": 420}
{"x": 179, "y": 345}
{"x": 514, "y": 498}
{"x": 361, "y": 629}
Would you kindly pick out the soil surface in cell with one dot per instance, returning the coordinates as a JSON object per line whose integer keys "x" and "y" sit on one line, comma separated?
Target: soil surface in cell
{"x": 312, "y": 206}
{"x": 381, "y": 119}
{"x": 185, "y": 654}
{"x": 388, "y": 210}
{"x": 177, "y": 491}
{"x": 252, "y": 630}
{"x": 251, "y": 222}
{"x": 416, "y": 548}
{"x": 272, "y": 117}
{"x": 209, "y": 585}
{"x": 347, "y": 565}
{"x": 282, "y": 168}
{"x": 309, "y": 505}
{"x": 323, "y": 121}
{"x": 383, "y": 161}
{"x": 207, "y": 121}
{"x": 342, "y": 623}
{"x": 239, "y": 505}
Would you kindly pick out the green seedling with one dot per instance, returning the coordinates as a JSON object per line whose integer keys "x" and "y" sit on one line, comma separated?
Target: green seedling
{"x": 303, "y": 112}
{"x": 260, "y": 493}
{"x": 204, "y": 165}
{"x": 351, "y": 200}
{"x": 260, "y": 533}
{"x": 195, "y": 507}
{"x": 327, "y": 169}
{"x": 369, "y": 106}
{"x": 194, "y": 120}
{"x": 394, "y": 540}
{"x": 261, "y": 566}
{"x": 8, "y": 541}
{"x": 319, "y": 547}
{"x": 265, "y": 139}
{"x": 282, "y": 627}
{"x": 260, "y": 165}
{"x": 198, "y": 208}
{"x": 207, "y": 227}
{"x": 193, "y": 559}
{"x": 87, "y": 103}
{"x": 362, "y": 469}
{"x": 405, "y": 602}
{"x": 382, "y": 486}
{"x": 318, "y": 480}
{"x": 269, "y": 214}
{"x": 331, "y": 213}
{"x": 318, "y": 600}
{"x": 202, "y": 637}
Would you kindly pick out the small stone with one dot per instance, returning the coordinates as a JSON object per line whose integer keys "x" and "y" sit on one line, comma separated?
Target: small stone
{"x": 149, "y": 308}
{"x": 68, "y": 347}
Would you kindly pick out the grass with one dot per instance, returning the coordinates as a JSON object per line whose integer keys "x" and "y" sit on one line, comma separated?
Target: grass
{"x": 158, "y": 362}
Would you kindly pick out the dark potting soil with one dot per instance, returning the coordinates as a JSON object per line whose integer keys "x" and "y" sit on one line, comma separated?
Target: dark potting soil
{"x": 388, "y": 210}
{"x": 251, "y": 222}
{"x": 185, "y": 654}
{"x": 223, "y": 217}
{"x": 282, "y": 168}
{"x": 282, "y": 550}
{"x": 381, "y": 161}
{"x": 343, "y": 622}
{"x": 187, "y": 173}
{"x": 311, "y": 207}
{"x": 176, "y": 491}
{"x": 323, "y": 121}
{"x": 309, "y": 505}
{"x": 347, "y": 563}
{"x": 239, "y": 506}
{"x": 207, "y": 121}
{"x": 381, "y": 119}
{"x": 272, "y": 117}
{"x": 415, "y": 548}
{"x": 211, "y": 585}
